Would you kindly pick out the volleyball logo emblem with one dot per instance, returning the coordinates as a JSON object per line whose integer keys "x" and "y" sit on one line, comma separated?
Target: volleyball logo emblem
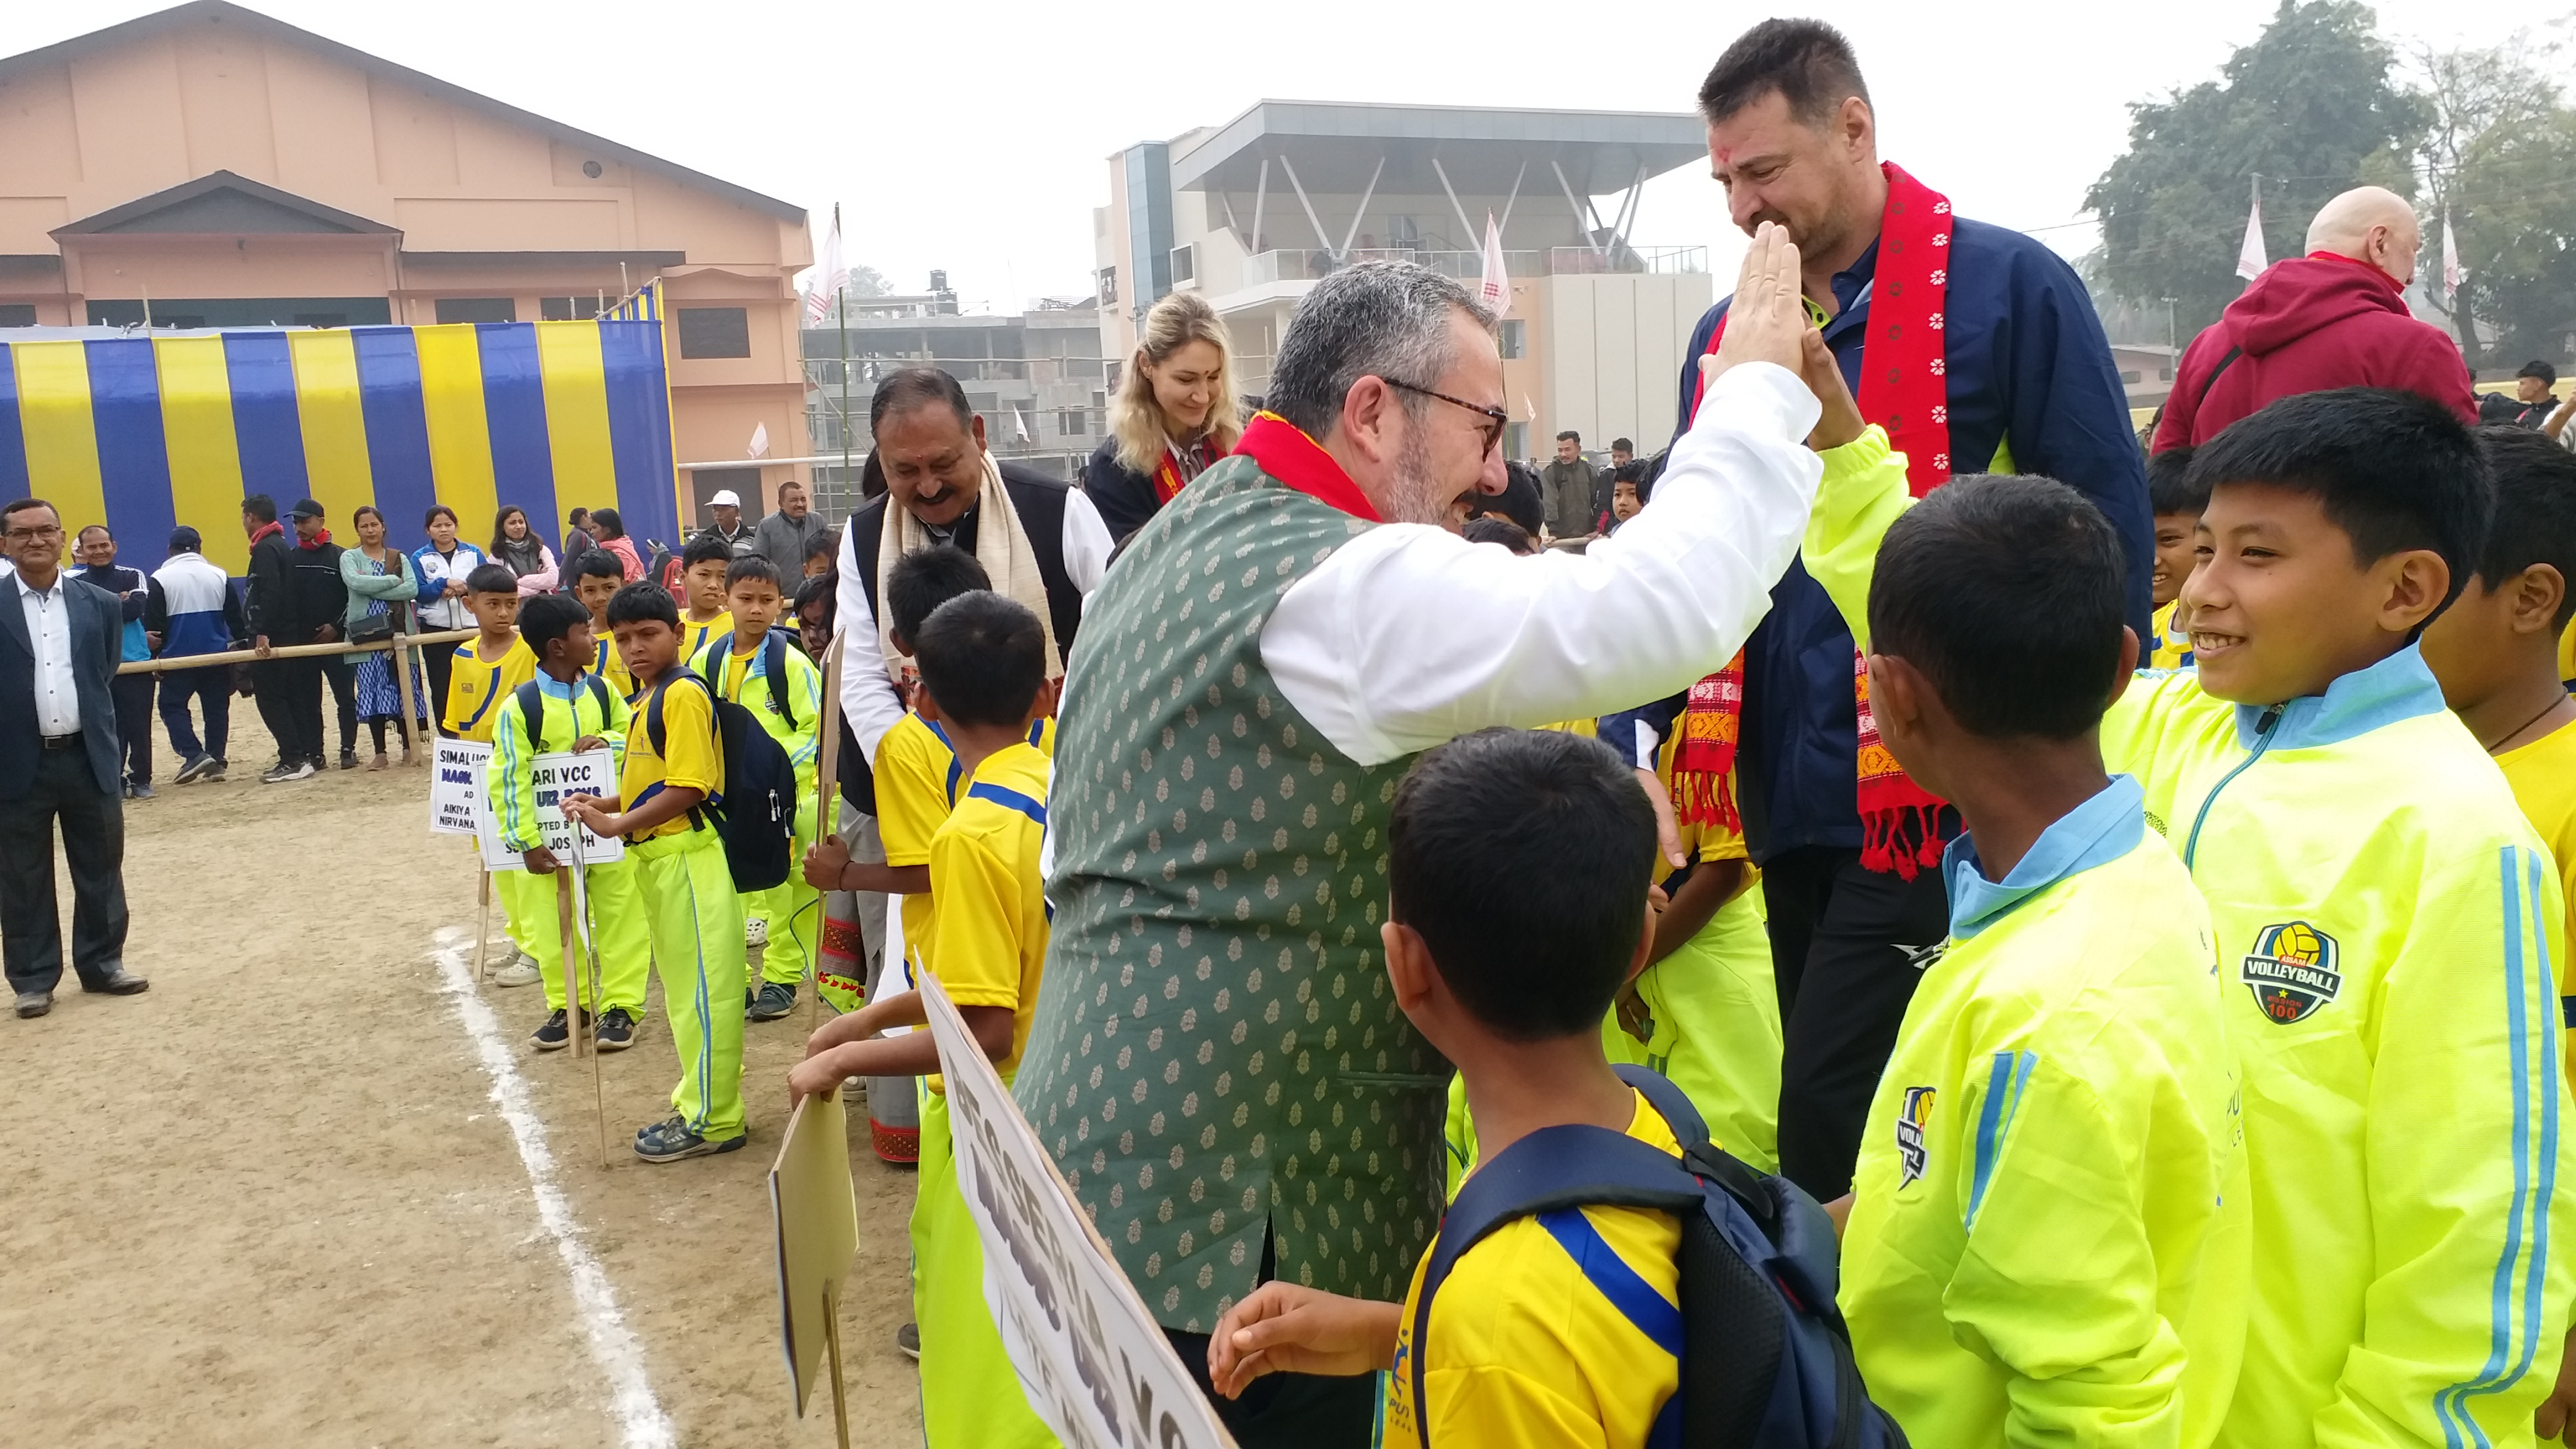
{"x": 1911, "y": 1153}
{"x": 2292, "y": 971}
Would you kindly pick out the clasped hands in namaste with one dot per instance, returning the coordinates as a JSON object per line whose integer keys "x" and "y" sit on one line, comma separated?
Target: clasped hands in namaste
{"x": 1767, "y": 322}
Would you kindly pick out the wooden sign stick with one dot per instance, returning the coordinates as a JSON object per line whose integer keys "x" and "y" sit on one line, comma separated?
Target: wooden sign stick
{"x": 832, "y": 1349}
{"x": 482, "y": 922}
{"x": 827, "y": 819}
{"x": 598, "y": 1001}
{"x": 571, "y": 953}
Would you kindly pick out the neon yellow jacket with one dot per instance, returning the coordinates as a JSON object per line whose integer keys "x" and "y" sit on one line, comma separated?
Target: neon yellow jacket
{"x": 745, "y": 681}
{"x": 2049, "y": 1240}
{"x": 2388, "y": 926}
{"x": 506, "y": 778}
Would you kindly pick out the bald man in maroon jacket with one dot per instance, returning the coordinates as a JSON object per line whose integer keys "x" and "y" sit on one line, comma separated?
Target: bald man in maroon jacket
{"x": 2334, "y": 318}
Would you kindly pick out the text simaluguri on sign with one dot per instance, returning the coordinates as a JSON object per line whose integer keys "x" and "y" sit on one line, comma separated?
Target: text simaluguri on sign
{"x": 456, "y": 786}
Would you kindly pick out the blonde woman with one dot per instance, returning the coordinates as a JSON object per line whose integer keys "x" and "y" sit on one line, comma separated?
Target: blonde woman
{"x": 1174, "y": 414}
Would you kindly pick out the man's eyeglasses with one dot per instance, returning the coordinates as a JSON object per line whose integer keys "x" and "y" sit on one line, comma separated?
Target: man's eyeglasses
{"x": 42, "y": 530}
{"x": 1495, "y": 418}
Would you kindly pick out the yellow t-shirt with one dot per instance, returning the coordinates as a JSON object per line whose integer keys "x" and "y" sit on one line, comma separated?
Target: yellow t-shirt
{"x": 2170, "y": 648}
{"x": 610, "y": 665}
{"x": 475, "y": 687}
{"x": 2543, "y": 777}
{"x": 1526, "y": 1351}
{"x": 916, "y": 778}
{"x": 694, "y": 635}
{"x": 695, "y": 761}
{"x": 989, "y": 933}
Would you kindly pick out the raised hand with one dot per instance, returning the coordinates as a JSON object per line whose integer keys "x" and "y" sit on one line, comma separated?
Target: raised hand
{"x": 1767, "y": 321}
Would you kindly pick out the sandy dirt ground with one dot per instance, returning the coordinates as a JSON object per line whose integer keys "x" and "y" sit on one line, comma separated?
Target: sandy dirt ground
{"x": 272, "y": 1201}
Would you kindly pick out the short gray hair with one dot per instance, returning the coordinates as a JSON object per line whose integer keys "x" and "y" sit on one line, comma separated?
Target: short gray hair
{"x": 1376, "y": 319}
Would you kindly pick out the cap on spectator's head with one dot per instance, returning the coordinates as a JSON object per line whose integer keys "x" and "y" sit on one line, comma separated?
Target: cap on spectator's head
{"x": 724, "y": 499}
{"x": 306, "y": 508}
{"x": 184, "y": 539}
{"x": 2547, "y": 374}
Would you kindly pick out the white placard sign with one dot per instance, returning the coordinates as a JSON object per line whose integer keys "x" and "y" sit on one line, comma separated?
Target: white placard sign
{"x": 1093, "y": 1362}
{"x": 456, "y": 786}
{"x": 552, "y": 777}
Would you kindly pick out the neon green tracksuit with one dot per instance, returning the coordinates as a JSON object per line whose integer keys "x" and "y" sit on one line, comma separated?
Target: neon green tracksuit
{"x": 2050, "y": 1225}
{"x": 2388, "y": 928}
{"x": 617, "y": 917}
{"x": 793, "y": 909}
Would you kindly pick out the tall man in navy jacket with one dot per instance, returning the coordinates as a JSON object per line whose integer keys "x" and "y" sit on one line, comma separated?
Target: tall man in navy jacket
{"x": 2031, "y": 389}
{"x": 59, "y": 641}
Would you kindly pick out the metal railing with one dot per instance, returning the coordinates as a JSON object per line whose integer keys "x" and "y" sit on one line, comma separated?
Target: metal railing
{"x": 1313, "y": 265}
{"x": 1036, "y": 371}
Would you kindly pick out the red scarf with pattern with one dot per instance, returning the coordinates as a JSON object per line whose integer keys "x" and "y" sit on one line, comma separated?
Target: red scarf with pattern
{"x": 1704, "y": 748}
{"x": 1167, "y": 473}
{"x": 1904, "y": 389}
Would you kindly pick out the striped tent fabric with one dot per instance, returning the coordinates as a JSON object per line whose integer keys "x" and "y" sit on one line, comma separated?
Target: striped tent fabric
{"x": 148, "y": 433}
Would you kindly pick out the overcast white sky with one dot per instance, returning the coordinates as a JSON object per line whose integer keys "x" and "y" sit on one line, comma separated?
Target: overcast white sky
{"x": 974, "y": 136}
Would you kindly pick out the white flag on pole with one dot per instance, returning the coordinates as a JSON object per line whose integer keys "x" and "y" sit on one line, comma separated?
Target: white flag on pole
{"x": 759, "y": 447}
{"x": 1019, "y": 423}
{"x": 1497, "y": 288}
{"x": 830, "y": 274}
{"x": 2452, "y": 273}
{"x": 2249, "y": 258}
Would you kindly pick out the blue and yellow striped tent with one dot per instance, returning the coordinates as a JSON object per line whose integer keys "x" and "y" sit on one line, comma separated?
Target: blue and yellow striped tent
{"x": 151, "y": 432}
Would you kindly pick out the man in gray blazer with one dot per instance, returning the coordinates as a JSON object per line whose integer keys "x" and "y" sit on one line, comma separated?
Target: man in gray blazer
{"x": 59, "y": 646}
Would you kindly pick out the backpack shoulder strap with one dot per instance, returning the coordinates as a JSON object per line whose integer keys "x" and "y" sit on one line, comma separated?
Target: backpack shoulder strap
{"x": 653, "y": 707}
{"x": 1549, "y": 1172}
{"x": 598, "y": 696}
{"x": 1699, "y": 1154}
{"x": 532, "y": 713}
{"x": 773, "y": 662}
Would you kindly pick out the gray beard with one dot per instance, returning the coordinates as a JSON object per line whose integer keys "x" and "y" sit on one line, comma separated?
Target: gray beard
{"x": 1417, "y": 497}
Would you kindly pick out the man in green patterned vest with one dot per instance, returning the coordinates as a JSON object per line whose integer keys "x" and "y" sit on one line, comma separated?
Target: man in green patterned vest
{"x": 1218, "y": 1065}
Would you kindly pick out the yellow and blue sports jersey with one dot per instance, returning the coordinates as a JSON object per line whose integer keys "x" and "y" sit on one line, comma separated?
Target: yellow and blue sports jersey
{"x": 610, "y": 665}
{"x": 570, "y": 713}
{"x": 694, "y": 635}
{"x": 695, "y": 760}
{"x": 917, "y": 780}
{"x": 2543, "y": 777}
{"x": 2388, "y": 926}
{"x": 743, "y": 679}
{"x": 476, "y": 686}
{"x": 988, "y": 934}
{"x": 1530, "y": 1345}
{"x": 1588, "y": 728}
{"x": 2050, "y": 1226}
{"x": 2171, "y": 647}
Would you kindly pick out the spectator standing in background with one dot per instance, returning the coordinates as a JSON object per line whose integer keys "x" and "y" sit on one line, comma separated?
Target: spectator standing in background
{"x": 576, "y": 540}
{"x": 58, "y": 648}
{"x": 379, "y": 582}
{"x": 194, "y": 610}
{"x": 1568, "y": 485}
{"x": 438, "y": 570}
{"x": 516, "y": 547}
{"x": 321, "y": 614}
{"x": 2336, "y": 317}
{"x": 2530, "y": 404}
{"x": 1175, "y": 413}
{"x": 785, "y": 537}
{"x": 1605, "y": 482}
{"x": 132, "y": 692}
{"x": 610, "y": 531}
{"x": 727, "y": 507}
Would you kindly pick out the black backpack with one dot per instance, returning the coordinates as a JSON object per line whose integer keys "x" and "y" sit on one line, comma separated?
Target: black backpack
{"x": 532, "y": 709}
{"x": 755, "y": 815}
{"x": 1765, "y": 1359}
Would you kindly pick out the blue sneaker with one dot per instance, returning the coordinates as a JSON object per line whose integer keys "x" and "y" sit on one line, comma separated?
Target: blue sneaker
{"x": 670, "y": 1140}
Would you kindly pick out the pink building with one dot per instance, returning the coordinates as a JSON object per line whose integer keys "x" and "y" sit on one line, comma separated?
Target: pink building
{"x": 214, "y": 167}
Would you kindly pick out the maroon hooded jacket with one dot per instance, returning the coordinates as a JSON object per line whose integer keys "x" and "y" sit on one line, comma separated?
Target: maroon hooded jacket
{"x": 2308, "y": 324}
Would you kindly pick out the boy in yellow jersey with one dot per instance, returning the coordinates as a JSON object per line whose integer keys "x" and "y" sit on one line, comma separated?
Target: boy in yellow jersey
{"x": 983, "y": 677}
{"x": 1531, "y": 1339}
{"x": 596, "y": 578}
{"x": 702, "y": 582}
{"x": 2177, "y": 504}
{"x": 576, "y": 712}
{"x": 2386, "y": 919}
{"x": 694, "y": 917}
{"x": 763, "y": 673}
{"x": 2049, "y": 1222}
{"x": 487, "y": 668}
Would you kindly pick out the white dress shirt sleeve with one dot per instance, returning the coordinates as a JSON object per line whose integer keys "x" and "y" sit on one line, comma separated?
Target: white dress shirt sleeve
{"x": 1086, "y": 542}
{"x": 1409, "y": 635}
{"x": 868, "y": 699}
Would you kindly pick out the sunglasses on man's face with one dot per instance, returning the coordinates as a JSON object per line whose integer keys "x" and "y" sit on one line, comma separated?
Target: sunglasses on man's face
{"x": 1495, "y": 418}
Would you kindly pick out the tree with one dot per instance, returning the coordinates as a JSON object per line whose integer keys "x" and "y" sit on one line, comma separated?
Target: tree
{"x": 2499, "y": 159}
{"x": 2310, "y": 106}
{"x": 867, "y": 281}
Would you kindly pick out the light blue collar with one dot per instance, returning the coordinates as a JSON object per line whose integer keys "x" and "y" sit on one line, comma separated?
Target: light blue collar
{"x": 553, "y": 688}
{"x": 2398, "y": 687}
{"x": 2097, "y": 832}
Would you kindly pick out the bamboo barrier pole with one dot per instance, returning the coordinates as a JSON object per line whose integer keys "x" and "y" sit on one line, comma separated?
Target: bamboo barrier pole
{"x": 293, "y": 651}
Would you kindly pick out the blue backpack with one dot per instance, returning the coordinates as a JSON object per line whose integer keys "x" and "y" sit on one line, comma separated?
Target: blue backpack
{"x": 755, "y": 817}
{"x": 1766, "y": 1362}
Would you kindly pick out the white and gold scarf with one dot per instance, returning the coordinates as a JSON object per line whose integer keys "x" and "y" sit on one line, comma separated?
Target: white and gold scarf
{"x": 1001, "y": 546}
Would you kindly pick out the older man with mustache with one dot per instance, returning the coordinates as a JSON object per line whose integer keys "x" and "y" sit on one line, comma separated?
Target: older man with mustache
{"x": 1217, "y": 1063}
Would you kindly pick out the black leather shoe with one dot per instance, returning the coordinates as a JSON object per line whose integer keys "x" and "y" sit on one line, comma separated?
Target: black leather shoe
{"x": 123, "y": 983}
{"x": 35, "y": 1003}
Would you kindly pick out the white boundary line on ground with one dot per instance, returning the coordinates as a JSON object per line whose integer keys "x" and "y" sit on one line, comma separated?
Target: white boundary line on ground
{"x": 641, "y": 1422}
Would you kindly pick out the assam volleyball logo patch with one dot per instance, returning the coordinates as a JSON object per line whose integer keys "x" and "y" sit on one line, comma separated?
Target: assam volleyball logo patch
{"x": 2292, "y": 970}
{"x": 1911, "y": 1154}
